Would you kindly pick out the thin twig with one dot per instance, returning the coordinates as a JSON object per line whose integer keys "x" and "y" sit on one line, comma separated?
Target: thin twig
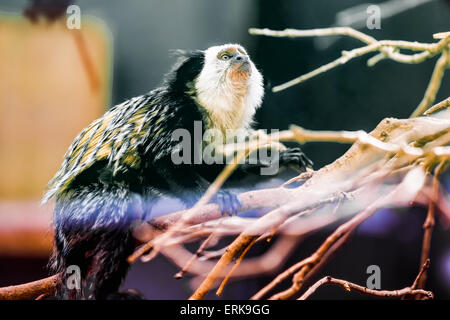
{"x": 280, "y": 278}
{"x": 238, "y": 244}
{"x": 438, "y": 107}
{"x": 423, "y": 269}
{"x": 434, "y": 84}
{"x": 194, "y": 257}
{"x": 348, "y": 286}
{"x": 237, "y": 263}
{"x": 387, "y": 48}
{"x": 331, "y": 253}
{"x": 428, "y": 225}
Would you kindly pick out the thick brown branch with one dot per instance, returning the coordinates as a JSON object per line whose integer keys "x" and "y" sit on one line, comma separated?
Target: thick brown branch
{"x": 30, "y": 290}
{"x": 239, "y": 244}
{"x": 237, "y": 263}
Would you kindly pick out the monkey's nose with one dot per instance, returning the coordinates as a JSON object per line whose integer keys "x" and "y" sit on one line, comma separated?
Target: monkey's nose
{"x": 239, "y": 58}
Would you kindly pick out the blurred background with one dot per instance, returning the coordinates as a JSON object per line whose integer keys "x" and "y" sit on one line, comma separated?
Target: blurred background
{"x": 54, "y": 81}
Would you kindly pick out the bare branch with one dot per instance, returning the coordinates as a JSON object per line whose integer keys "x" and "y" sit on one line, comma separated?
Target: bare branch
{"x": 435, "y": 82}
{"x": 387, "y": 49}
{"x": 348, "y": 286}
{"x": 30, "y": 290}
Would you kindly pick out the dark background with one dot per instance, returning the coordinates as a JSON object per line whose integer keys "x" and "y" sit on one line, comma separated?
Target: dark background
{"x": 350, "y": 97}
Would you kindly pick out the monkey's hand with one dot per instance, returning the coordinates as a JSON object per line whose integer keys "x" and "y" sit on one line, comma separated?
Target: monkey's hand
{"x": 294, "y": 157}
{"x": 228, "y": 202}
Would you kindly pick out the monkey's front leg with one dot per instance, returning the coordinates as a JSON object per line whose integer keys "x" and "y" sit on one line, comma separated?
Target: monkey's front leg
{"x": 289, "y": 157}
{"x": 295, "y": 157}
{"x": 270, "y": 165}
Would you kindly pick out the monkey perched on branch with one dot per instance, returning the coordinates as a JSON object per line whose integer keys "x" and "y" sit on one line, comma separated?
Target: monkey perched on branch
{"x": 122, "y": 162}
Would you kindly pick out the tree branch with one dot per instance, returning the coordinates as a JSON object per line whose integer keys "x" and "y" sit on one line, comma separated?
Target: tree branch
{"x": 30, "y": 290}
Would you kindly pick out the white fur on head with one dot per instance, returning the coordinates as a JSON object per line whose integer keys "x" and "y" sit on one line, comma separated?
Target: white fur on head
{"x": 230, "y": 97}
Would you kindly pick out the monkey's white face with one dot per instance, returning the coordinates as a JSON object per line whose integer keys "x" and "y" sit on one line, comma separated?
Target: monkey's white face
{"x": 229, "y": 86}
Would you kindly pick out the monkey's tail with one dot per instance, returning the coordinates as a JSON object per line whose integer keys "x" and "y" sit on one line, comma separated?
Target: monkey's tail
{"x": 92, "y": 242}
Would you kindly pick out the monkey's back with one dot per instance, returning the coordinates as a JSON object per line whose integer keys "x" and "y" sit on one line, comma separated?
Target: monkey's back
{"x": 129, "y": 137}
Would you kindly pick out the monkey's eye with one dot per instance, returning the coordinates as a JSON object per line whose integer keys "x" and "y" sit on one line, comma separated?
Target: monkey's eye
{"x": 225, "y": 57}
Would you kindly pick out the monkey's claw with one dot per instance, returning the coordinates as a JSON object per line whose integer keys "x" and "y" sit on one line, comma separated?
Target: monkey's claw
{"x": 228, "y": 202}
{"x": 295, "y": 156}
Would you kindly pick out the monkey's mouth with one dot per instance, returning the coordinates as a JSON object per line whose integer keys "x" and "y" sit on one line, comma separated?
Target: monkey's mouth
{"x": 240, "y": 71}
{"x": 244, "y": 66}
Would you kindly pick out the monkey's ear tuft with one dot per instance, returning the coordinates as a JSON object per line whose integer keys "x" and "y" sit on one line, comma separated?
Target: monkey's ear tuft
{"x": 180, "y": 53}
{"x": 186, "y": 69}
